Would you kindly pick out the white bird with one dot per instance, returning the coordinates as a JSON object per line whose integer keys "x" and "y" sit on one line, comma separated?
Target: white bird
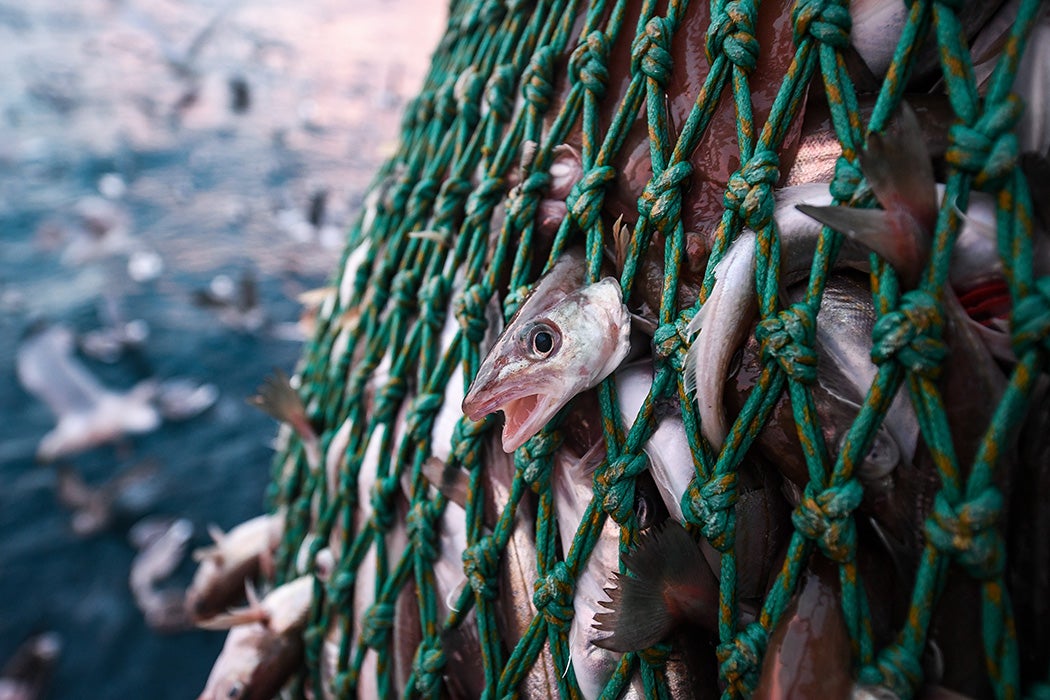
{"x": 87, "y": 413}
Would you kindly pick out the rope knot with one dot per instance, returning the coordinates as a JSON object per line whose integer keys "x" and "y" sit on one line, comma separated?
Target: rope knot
{"x": 662, "y": 197}
{"x": 846, "y": 180}
{"x": 480, "y": 564}
{"x": 499, "y": 92}
{"x": 740, "y": 658}
{"x": 553, "y": 596}
{"x": 896, "y": 669}
{"x": 826, "y": 518}
{"x": 614, "y": 485}
{"x": 421, "y": 524}
{"x": 670, "y": 340}
{"x": 651, "y": 51}
{"x": 433, "y": 301}
{"x": 788, "y": 337}
{"x": 538, "y": 85}
{"x": 589, "y": 63}
{"x": 535, "y": 458}
{"x": 585, "y": 199}
{"x": 382, "y": 499}
{"x": 750, "y": 189}
{"x": 467, "y": 93}
{"x": 732, "y": 31}
{"x": 967, "y": 531}
{"x": 421, "y": 415}
{"x": 827, "y": 21}
{"x": 340, "y": 588}
{"x": 470, "y": 312}
{"x": 1030, "y": 319}
{"x": 427, "y": 666}
{"x": 988, "y": 148}
{"x": 465, "y": 440}
{"x": 375, "y": 628}
{"x": 483, "y": 200}
{"x": 710, "y": 506}
{"x": 911, "y": 335}
{"x": 389, "y": 398}
{"x": 404, "y": 290}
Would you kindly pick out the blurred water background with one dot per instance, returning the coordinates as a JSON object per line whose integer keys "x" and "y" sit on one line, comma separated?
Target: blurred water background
{"x": 155, "y": 151}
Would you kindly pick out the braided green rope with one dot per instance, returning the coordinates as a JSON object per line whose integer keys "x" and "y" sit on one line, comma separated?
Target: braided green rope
{"x": 451, "y": 223}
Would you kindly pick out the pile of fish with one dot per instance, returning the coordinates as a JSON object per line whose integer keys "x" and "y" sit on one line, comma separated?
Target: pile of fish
{"x": 570, "y": 335}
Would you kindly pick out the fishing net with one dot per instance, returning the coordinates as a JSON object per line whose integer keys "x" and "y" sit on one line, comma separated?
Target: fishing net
{"x": 453, "y": 222}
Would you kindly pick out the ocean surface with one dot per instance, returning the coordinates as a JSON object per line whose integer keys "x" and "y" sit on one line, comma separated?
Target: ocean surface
{"x": 206, "y": 143}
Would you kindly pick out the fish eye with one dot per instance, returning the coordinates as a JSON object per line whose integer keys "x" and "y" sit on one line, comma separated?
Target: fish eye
{"x": 542, "y": 340}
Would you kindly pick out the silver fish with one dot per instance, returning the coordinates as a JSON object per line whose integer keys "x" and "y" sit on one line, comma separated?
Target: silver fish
{"x": 88, "y": 414}
{"x": 571, "y": 479}
{"x": 564, "y": 339}
{"x": 264, "y": 646}
{"x": 236, "y": 556}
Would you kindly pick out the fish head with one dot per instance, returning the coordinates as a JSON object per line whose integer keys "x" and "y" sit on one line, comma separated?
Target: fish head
{"x": 544, "y": 359}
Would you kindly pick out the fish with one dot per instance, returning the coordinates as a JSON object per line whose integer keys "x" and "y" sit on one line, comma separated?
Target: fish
{"x": 160, "y": 553}
{"x": 898, "y": 170}
{"x": 87, "y": 413}
{"x": 27, "y": 674}
{"x": 808, "y": 654}
{"x": 571, "y": 481}
{"x": 1032, "y": 84}
{"x": 282, "y": 610}
{"x": 762, "y": 517}
{"x": 640, "y": 614}
{"x": 564, "y": 339}
{"x": 517, "y": 570}
{"x": 94, "y": 509}
{"x": 242, "y": 554}
{"x": 264, "y": 646}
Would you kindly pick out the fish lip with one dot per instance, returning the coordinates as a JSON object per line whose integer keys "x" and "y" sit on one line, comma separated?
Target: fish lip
{"x": 507, "y": 400}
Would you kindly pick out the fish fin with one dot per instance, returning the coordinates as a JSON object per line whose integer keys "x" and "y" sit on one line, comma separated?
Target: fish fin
{"x": 449, "y": 480}
{"x": 879, "y": 230}
{"x": 689, "y": 366}
{"x": 594, "y": 456}
{"x": 277, "y": 399}
{"x": 252, "y": 612}
{"x": 897, "y": 165}
{"x": 667, "y": 583}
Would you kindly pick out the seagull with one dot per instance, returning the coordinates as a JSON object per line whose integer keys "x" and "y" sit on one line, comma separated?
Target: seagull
{"x": 88, "y": 414}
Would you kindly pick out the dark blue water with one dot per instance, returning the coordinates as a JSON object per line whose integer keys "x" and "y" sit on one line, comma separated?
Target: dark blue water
{"x": 209, "y": 188}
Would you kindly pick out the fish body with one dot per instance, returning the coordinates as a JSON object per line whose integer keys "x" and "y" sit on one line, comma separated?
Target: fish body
{"x": 88, "y": 414}
{"x": 808, "y": 655}
{"x": 564, "y": 339}
{"x": 254, "y": 663}
{"x": 235, "y": 557}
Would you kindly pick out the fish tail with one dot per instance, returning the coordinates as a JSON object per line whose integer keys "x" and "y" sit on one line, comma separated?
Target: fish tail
{"x": 280, "y": 401}
{"x": 667, "y": 583}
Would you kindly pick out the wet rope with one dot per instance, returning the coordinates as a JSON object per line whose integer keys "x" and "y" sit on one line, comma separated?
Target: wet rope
{"x": 443, "y": 220}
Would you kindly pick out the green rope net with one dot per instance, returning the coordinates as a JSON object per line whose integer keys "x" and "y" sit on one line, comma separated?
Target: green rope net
{"x": 454, "y": 221}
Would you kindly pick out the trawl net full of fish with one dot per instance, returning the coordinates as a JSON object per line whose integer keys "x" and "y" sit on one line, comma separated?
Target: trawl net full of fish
{"x": 681, "y": 350}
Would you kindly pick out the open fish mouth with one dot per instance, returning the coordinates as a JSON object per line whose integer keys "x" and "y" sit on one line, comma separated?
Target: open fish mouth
{"x": 524, "y": 414}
